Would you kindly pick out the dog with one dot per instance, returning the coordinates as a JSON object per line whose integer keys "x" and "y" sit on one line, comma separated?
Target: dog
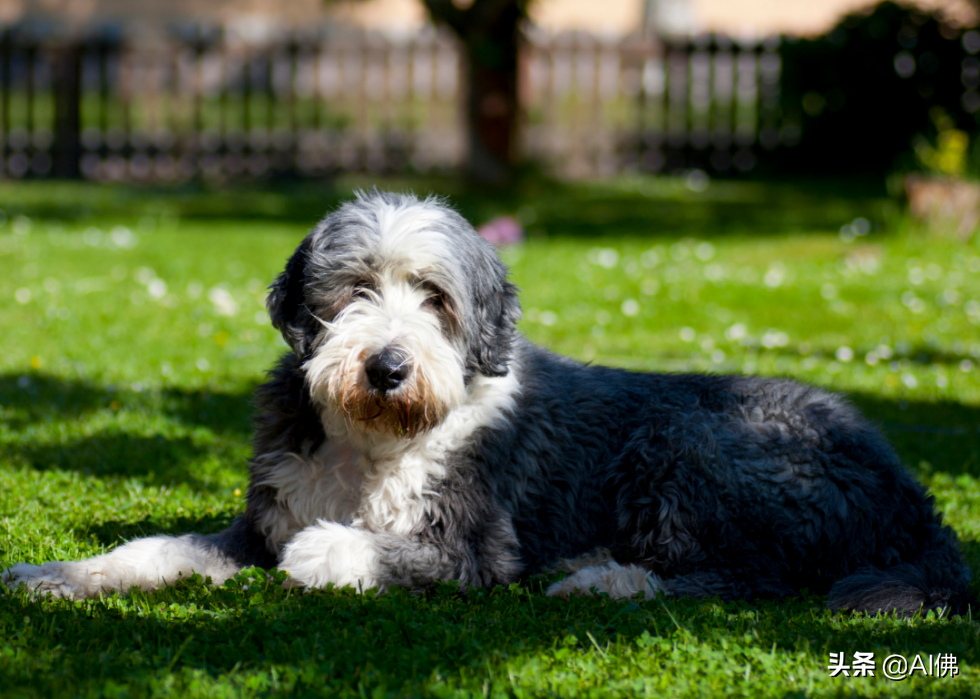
{"x": 412, "y": 435}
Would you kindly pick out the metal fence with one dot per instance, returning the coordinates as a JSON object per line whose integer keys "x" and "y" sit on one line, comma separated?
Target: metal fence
{"x": 215, "y": 105}
{"x": 594, "y": 107}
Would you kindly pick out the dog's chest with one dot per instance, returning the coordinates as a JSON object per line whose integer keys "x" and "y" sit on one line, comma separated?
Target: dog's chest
{"x": 339, "y": 484}
{"x": 324, "y": 485}
{"x": 332, "y": 487}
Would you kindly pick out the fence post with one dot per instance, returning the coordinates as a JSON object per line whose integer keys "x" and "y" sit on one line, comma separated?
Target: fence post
{"x": 67, "y": 109}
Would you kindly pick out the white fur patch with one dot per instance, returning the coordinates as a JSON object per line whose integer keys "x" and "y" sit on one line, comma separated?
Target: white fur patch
{"x": 328, "y": 552}
{"x": 615, "y": 580}
{"x": 407, "y": 236}
{"x": 145, "y": 563}
{"x": 399, "y": 473}
{"x": 326, "y": 485}
{"x": 399, "y": 466}
{"x": 384, "y": 489}
{"x": 391, "y": 315}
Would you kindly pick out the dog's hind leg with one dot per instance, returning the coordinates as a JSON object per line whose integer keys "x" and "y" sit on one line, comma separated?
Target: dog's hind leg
{"x": 621, "y": 581}
{"x": 617, "y": 581}
{"x": 146, "y": 563}
{"x": 938, "y": 581}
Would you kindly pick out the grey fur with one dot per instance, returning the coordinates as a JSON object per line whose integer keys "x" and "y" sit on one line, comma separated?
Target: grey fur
{"x": 729, "y": 486}
{"x": 733, "y": 486}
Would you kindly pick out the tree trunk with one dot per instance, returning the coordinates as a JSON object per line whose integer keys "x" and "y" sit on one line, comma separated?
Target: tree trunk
{"x": 490, "y": 33}
{"x": 67, "y": 106}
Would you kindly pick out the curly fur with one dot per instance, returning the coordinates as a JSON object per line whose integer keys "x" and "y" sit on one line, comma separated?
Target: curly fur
{"x": 494, "y": 459}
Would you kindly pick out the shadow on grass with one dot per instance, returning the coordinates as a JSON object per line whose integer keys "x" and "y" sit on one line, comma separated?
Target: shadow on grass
{"x": 337, "y": 642}
{"x": 116, "y": 532}
{"x": 123, "y": 448}
{"x": 928, "y": 436}
{"x": 638, "y": 207}
{"x": 37, "y": 397}
{"x": 920, "y": 355}
{"x": 154, "y": 460}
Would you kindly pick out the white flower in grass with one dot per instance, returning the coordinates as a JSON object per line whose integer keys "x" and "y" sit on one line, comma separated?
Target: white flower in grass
{"x": 651, "y": 258}
{"x": 22, "y": 225}
{"x": 92, "y": 236}
{"x": 548, "y": 318}
{"x": 224, "y": 303}
{"x": 775, "y": 275}
{"x": 910, "y": 381}
{"x": 606, "y": 257}
{"x": 844, "y": 354}
{"x": 736, "y": 332}
{"x": 913, "y": 302}
{"x": 687, "y": 334}
{"x": 951, "y": 296}
{"x": 123, "y": 238}
{"x": 630, "y": 307}
{"x": 704, "y": 251}
{"x": 714, "y": 272}
{"x": 774, "y": 338}
{"x": 157, "y": 289}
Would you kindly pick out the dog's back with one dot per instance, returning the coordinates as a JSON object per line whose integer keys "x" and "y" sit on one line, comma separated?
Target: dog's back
{"x": 730, "y": 485}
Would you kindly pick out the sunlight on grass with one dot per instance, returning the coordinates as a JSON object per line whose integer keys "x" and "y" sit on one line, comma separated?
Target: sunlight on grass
{"x": 135, "y": 334}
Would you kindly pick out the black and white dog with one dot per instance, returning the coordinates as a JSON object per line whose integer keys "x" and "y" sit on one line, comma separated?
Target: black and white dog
{"x": 412, "y": 436}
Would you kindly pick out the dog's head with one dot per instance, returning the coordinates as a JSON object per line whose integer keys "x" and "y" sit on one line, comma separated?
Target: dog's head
{"x": 394, "y": 305}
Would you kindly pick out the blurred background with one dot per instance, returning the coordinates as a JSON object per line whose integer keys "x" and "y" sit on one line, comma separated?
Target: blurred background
{"x": 230, "y": 90}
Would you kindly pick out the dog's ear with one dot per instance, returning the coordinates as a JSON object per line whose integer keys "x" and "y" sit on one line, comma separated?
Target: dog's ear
{"x": 286, "y": 301}
{"x": 497, "y": 313}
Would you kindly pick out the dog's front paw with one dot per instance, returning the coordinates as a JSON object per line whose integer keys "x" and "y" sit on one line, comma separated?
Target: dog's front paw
{"x": 327, "y": 552}
{"x": 56, "y": 578}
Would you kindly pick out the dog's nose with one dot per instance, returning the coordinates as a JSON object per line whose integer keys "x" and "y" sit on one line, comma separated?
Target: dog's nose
{"x": 387, "y": 369}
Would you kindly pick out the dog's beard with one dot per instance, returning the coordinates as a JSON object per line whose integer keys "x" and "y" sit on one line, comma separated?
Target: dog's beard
{"x": 403, "y": 414}
{"x": 342, "y": 388}
{"x": 338, "y": 381}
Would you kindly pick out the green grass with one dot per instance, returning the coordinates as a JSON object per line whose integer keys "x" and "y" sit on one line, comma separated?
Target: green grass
{"x": 133, "y": 335}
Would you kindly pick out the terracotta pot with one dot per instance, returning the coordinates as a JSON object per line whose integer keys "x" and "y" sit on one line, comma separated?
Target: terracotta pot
{"x": 946, "y": 204}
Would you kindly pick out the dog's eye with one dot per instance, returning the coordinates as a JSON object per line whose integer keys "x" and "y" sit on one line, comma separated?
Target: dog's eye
{"x": 362, "y": 290}
{"x": 435, "y": 299}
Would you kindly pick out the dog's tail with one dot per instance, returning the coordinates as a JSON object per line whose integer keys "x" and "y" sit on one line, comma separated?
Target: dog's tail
{"x": 937, "y": 580}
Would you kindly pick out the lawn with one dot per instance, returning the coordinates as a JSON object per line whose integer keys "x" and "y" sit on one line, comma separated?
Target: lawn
{"x": 134, "y": 334}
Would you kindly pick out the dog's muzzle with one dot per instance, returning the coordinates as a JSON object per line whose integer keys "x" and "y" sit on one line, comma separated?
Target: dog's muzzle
{"x": 387, "y": 369}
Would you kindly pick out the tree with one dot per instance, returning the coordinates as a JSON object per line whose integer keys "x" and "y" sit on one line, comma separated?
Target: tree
{"x": 489, "y": 31}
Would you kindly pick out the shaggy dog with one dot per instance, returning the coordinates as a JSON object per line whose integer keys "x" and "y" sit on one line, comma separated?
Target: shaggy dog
{"x": 412, "y": 435}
